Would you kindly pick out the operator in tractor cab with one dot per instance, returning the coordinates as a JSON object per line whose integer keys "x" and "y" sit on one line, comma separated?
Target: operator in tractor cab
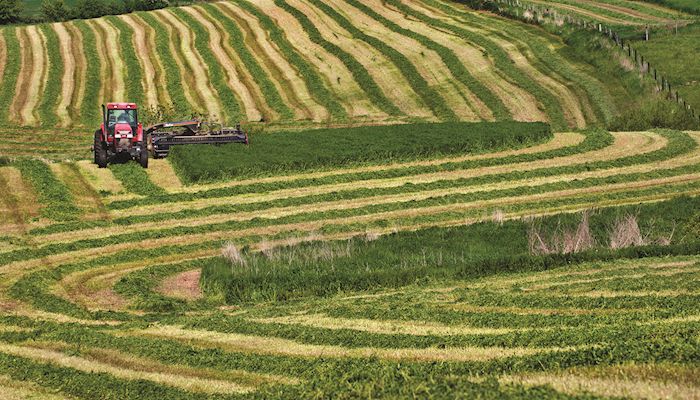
{"x": 121, "y": 136}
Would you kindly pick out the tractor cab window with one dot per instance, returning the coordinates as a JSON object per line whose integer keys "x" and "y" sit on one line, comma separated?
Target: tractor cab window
{"x": 121, "y": 117}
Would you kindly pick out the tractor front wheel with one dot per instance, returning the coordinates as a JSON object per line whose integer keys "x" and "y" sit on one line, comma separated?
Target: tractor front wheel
{"x": 143, "y": 157}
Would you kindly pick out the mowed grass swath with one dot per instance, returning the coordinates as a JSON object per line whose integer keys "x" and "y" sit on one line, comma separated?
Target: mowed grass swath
{"x": 306, "y": 67}
{"x": 428, "y": 206}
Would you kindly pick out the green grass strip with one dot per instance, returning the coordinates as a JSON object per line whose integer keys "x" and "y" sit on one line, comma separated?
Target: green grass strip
{"x": 230, "y": 103}
{"x": 236, "y": 225}
{"x": 344, "y": 147}
{"x": 133, "y": 81}
{"x": 428, "y": 95}
{"x": 135, "y": 179}
{"x": 314, "y": 82}
{"x": 58, "y": 203}
{"x": 49, "y": 99}
{"x": 358, "y": 71}
{"x": 500, "y": 57}
{"x": 13, "y": 61}
{"x": 262, "y": 79}
{"x": 90, "y": 114}
{"x": 173, "y": 79}
{"x": 453, "y": 63}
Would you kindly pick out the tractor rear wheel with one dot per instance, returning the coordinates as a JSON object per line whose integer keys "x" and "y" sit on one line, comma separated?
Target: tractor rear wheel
{"x": 143, "y": 157}
{"x": 99, "y": 150}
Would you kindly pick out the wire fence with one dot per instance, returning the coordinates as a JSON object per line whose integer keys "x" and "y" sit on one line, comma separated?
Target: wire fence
{"x": 532, "y": 13}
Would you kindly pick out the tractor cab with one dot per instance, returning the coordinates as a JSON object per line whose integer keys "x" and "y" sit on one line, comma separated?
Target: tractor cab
{"x": 120, "y": 136}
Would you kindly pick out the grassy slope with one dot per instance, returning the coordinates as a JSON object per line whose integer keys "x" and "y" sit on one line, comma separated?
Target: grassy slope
{"x": 676, "y": 56}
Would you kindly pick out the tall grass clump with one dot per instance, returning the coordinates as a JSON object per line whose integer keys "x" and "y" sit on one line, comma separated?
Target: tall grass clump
{"x": 326, "y": 148}
{"x": 58, "y": 203}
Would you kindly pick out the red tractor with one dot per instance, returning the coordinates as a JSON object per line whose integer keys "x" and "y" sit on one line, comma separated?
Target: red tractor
{"x": 121, "y": 136}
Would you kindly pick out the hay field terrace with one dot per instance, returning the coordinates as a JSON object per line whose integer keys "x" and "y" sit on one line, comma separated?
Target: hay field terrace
{"x": 286, "y": 61}
{"x": 100, "y": 270}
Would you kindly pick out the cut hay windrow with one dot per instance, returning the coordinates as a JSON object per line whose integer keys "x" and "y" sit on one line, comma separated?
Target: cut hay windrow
{"x": 229, "y": 102}
{"x": 290, "y": 84}
{"x": 429, "y": 96}
{"x": 359, "y": 80}
{"x": 46, "y": 109}
{"x": 20, "y": 93}
{"x": 328, "y": 60}
{"x": 487, "y": 104}
{"x": 315, "y": 85}
{"x": 108, "y": 40}
{"x": 195, "y": 67}
{"x": 422, "y": 56}
{"x": 430, "y": 209}
{"x": 133, "y": 88}
{"x": 12, "y": 69}
{"x": 93, "y": 90}
{"x": 251, "y": 69}
{"x": 499, "y": 56}
{"x": 143, "y": 45}
{"x": 268, "y": 345}
{"x": 176, "y": 88}
{"x": 68, "y": 79}
{"x": 227, "y": 58}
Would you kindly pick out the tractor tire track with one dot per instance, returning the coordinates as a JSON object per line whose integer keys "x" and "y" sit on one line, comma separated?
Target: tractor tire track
{"x": 69, "y": 72}
{"x": 230, "y": 65}
{"x": 290, "y": 86}
{"x": 426, "y": 61}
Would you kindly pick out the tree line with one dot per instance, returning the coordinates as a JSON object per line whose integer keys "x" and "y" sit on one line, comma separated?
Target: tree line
{"x": 14, "y": 11}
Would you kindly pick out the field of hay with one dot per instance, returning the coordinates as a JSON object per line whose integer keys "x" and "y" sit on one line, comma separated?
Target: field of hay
{"x": 286, "y": 61}
{"x": 429, "y": 208}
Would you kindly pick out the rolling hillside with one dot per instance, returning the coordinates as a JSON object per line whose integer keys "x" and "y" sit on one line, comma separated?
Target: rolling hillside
{"x": 281, "y": 61}
{"x": 428, "y": 208}
{"x": 86, "y": 251}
